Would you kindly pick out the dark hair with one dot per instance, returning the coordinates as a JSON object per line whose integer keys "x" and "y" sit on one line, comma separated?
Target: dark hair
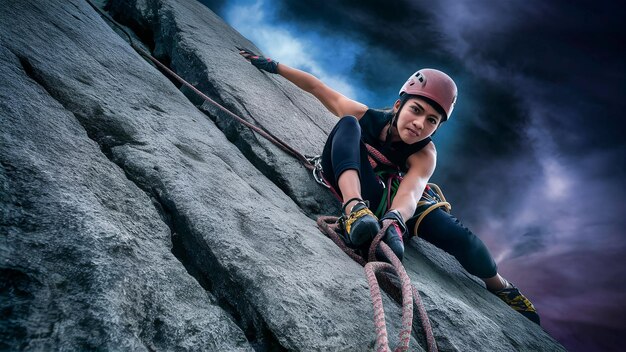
{"x": 405, "y": 97}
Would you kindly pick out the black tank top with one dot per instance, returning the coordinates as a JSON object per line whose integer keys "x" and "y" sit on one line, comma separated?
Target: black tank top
{"x": 372, "y": 123}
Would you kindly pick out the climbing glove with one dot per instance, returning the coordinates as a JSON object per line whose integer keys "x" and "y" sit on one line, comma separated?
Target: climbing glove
{"x": 260, "y": 62}
{"x": 393, "y": 234}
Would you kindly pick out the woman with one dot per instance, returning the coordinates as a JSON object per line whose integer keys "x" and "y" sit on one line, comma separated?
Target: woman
{"x": 402, "y": 136}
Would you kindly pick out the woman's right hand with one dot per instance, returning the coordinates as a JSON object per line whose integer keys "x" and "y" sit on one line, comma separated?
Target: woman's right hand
{"x": 260, "y": 62}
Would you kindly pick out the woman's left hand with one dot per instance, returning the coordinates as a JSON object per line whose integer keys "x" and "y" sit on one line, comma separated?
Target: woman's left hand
{"x": 395, "y": 231}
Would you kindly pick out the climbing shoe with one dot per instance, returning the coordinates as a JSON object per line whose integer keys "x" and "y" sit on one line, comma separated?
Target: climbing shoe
{"x": 516, "y": 300}
{"x": 361, "y": 225}
{"x": 393, "y": 235}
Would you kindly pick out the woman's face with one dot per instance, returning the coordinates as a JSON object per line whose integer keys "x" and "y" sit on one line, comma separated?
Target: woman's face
{"x": 417, "y": 120}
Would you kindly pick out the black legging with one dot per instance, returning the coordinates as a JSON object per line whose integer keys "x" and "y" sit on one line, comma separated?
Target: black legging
{"x": 344, "y": 150}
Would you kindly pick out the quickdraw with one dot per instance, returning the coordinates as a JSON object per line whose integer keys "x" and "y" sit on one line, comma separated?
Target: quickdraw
{"x": 318, "y": 176}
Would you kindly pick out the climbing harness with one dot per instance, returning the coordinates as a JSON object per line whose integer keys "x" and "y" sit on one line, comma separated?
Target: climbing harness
{"x": 328, "y": 225}
{"x": 390, "y": 176}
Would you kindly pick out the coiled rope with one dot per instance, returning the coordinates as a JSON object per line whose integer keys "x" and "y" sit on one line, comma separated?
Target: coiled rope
{"x": 406, "y": 294}
{"x": 327, "y": 225}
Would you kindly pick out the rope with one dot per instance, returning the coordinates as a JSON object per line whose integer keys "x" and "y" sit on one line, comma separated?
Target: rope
{"x": 410, "y": 297}
{"x": 437, "y": 201}
{"x": 275, "y": 140}
{"x": 427, "y": 211}
{"x": 376, "y": 157}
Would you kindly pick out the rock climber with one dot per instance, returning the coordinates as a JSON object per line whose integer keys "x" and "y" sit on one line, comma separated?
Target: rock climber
{"x": 403, "y": 136}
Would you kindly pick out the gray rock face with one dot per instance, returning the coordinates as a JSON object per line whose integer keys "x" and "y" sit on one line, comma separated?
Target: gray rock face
{"x": 131, "y": 220}
{"x": 201, "y": 48}
{"x": 85, "y": 259}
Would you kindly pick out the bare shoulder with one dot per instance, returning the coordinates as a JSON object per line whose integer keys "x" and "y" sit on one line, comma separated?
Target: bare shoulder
{"x": 337, "y": 103}
{"x": 349, "y": 107}
{"x": 424, "y": 161}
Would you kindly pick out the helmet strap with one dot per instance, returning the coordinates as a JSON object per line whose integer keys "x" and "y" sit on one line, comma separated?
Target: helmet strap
{"x": 394, "y": 120}
{"x": 388, "y": 138}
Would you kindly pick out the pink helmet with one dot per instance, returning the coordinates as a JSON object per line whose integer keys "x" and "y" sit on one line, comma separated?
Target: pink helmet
{"x": 432, "y": 84}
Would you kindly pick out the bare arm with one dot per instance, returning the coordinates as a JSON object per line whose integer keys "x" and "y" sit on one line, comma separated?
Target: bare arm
{"x": 335, "y": 102}
{"x": 421, "y": 167}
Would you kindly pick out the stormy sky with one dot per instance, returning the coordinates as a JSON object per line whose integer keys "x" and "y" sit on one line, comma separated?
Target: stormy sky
{"x": 533, "y": 159}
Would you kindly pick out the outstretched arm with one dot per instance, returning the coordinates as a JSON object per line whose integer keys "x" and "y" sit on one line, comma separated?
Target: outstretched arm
{"x": 421, "y": 167}
{"x": 335, "y": 102}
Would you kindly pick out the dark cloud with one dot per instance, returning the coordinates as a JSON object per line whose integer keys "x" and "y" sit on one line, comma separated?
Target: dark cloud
{"x": 574, "y": 51}
{"x": 395, "y": 26}
{"x": 533, "y": 241}
{"x": 568, "y": 57}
